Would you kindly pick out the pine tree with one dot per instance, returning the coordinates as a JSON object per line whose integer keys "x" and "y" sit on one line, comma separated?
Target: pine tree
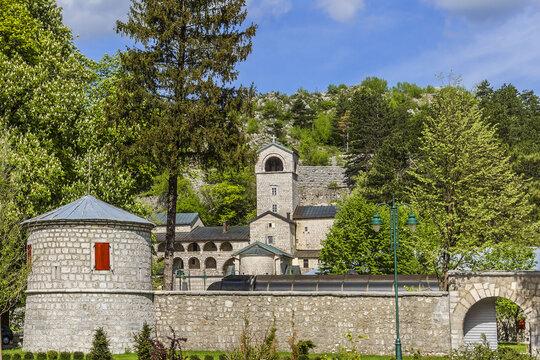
{"x": 464, "y": 187}
{"x": 177, "y": 88}
{"x": 100, "y": 346}
{"x": 143, "y": 345}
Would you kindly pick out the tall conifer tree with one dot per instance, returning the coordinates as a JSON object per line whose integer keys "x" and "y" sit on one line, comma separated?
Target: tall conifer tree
{"x": 178, "y": 88}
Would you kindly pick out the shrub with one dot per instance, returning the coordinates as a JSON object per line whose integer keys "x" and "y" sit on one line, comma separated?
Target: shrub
{"x": 64, "y": 355}
{"x": 28, "y": 355}
{"x": 16, "y": 357}
{"x": 100, "y": 346}
{"x": 208, "y": 357}
{"x": 52, "y": 355}
{"x": 159, "y": 352}
{"x": 223, "y": 357}
{"x": 41, "y": 356}
{"x": 6, "y": 356}
{"x": 194, "y": 357}
{"x": 78, "y": 355}
{"x": 143, "y": 346}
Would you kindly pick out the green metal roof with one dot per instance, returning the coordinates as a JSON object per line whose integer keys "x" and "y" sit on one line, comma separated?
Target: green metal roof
{"x": 258, "y": 248}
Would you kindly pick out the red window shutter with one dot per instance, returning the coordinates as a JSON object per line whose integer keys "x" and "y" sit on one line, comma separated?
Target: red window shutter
{"x": 29, "y": 254}
{"x": 102, "y": 256}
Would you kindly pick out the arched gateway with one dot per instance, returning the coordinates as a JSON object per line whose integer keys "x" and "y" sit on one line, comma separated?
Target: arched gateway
{"x": 472, "y": 297}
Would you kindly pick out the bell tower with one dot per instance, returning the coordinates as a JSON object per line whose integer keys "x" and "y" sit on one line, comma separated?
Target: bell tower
{"x": 276, "y": 172}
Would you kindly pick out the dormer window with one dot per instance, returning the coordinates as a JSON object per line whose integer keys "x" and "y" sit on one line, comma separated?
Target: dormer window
{"x": 273, "y": 164}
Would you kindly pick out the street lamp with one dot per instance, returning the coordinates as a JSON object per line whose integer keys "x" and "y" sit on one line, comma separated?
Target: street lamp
{"x": 376, "y": 222}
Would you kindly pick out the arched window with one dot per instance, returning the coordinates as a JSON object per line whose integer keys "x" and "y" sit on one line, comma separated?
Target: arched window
{"x": 273, "y": 164}
{"x": 210, "y": 263}
{"x": 193, "y": 247}
{"x": 226, "y": 246}
{"x": 177, "y": 264}
{"x": 210, "y": 246}
{"x": 178, "y": 247}
{"x": 161, "y": 247}
{"x": 228, "y": 263}
{"x": 194, "y": 263}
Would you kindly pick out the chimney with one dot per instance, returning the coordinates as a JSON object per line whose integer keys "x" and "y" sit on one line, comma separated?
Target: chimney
{"x": 224, "y": 226}
{"x": 289, "y": 215}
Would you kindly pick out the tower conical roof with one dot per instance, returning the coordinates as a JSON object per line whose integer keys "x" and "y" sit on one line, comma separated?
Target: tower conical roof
{"x": 88, "y": 208}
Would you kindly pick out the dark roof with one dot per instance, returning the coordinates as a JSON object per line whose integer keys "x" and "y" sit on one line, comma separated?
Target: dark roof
{"x": 258, "y": 248}
{"x": 88, "y": 208}
{"x": 293, "y": 151}
{"x": 311, "y": 254}
{"x": 181, "y": 219}
{"x": 315, "y": 212}
{"x": 273, "y": 214}
{"x": 214, "y": 233}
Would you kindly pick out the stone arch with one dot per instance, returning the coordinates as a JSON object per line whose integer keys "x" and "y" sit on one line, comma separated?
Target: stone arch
{"x": 466, "y": 297}
{"x": 178, "y": 247}
{"x": 210, "y": 263}
{"x": 227, "y": 264}
{"x": 210, "y": 246}
{"x": 193, "y": 247}
{"x": 161, "y": 247}
{"x": 273, "y": 163}
{"x": 194, "y": 263}
{"x": 226, "y": 246}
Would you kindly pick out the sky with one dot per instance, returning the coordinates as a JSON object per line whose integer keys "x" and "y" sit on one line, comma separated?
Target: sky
{"x": 310, "y": 44}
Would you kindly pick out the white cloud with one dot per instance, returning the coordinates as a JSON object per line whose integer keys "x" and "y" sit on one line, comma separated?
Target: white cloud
{"x": 509, "y": 52}
{"x": 264, "y": 8}
{"x": 93, "y": 18}
{"x": 341, "y": 10}
{"x": 480, "y": 10}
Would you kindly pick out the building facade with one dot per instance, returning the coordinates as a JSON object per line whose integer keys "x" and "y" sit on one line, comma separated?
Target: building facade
{"x": 284, "y": 237}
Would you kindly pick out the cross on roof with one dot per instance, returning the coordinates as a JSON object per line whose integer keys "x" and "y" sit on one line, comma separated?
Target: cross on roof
{"x": 273, "y": 138}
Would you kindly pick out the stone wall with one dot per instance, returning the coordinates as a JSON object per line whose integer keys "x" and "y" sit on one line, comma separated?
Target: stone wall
{"x": 321, "y": 185}
{"x": 282, "y": 232}
{"x": 311, "y": 238}
{"x": 66, "y": 320}
{"x": 215, "y": 320}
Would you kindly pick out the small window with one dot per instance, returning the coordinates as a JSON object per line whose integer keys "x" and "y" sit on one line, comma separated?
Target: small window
{"x": 305, "y": 229}
{"x": 306, "y": 263}
{"x": 102, "y": 256}
{"x": 270, "y": 239}
{"x": 274, "y": 190}
{"x": 274, "y": 208}
{"x": 270, "y": 225}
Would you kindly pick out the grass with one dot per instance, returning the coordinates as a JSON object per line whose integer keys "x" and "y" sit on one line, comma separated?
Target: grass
{"x": 215, "y": 354}
{"x": 521, "y": 348}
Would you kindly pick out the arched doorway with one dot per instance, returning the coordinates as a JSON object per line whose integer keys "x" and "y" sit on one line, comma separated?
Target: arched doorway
{"x": 226, "y": 246}
{"x": 228, "y": 267}
{"x": 178, "y": 247}
{"x": 177, "y": 264}
{"x": 193, "y": 247}
{"x": 480, "y": 321}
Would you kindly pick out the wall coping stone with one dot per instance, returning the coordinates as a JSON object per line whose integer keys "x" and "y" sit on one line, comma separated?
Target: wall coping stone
{"x": 90, "y": 291}
{"x": 493, "y": 273}
{"x": 305, "y": 293}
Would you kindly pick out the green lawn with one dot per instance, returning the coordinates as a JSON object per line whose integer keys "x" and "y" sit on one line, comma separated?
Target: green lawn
{"x": 215, "y": 354}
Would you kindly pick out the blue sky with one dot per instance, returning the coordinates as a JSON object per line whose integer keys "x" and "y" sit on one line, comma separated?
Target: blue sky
{"x": 313, "y": 43}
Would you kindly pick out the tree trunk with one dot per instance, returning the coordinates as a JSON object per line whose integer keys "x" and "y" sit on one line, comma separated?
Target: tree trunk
{"x": 172, "y": 196}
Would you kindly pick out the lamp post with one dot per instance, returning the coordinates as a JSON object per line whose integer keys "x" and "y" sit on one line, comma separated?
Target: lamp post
{"x": 376, "y": 222}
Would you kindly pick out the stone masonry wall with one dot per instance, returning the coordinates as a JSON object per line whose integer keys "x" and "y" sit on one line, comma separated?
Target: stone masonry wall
{"x": 215, "y": 320}
{"x": 66, "y": 321}
{"x": 321, "y": 185}
{"x": 315, "y": 234}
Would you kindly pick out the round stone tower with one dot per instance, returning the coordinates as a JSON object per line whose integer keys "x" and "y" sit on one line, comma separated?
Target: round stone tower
{"x": 91, "y": 267}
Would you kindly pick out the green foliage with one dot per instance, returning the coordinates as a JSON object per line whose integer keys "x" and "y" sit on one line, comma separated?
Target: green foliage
{"x": 301, "y": 113}
{"x": 6, "y": 356}
{"x": 352, "y": 244}
{"x": 194, "y": 357}
{"x": 41, "y": 356}
{"x": 222, "y": 357}
{"x": 174, "y": 352}
{"x": 249, "y": 350}
{"x": 482, "y": 351}
{"x": 52, "y": 355}
{"x": 142, "y": 342}
{"x": 208, "y": 357}
{"x": 508, "y": 314}
{"x": 16, "y": 356}
{"x": 64, "y": 355}
{"x": 465, "y": 189}
{"x": 252, "y": 126}
{"x": 28, "y": 355}
{"x": 322, "y": 131}
{"x": 186, "y": 110}
{"x": 78, "y": 355}
{"x": 100, "y": 346}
